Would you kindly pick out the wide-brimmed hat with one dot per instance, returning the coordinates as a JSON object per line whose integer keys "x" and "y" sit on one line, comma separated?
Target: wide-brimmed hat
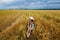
{"x": 31, "y": 18}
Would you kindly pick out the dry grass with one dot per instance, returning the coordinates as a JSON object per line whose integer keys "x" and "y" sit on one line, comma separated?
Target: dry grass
{"x": 13, "y": 24}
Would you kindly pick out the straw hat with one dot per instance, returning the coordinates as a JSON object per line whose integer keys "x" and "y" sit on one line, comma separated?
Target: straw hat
{"x": 31, "y": 18}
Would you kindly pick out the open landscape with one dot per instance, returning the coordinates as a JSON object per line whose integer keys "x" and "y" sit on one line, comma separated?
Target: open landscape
{"x": 13, "y": 24}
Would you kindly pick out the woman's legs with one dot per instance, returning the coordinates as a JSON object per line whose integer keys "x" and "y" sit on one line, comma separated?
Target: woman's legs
{"x": 28, "y": 31}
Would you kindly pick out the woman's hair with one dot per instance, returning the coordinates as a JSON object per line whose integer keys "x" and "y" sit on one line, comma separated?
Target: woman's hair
{"x": 32, "y": 20}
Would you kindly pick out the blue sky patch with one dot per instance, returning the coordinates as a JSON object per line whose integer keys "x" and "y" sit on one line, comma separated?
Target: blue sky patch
{"x": 30, "y": 4}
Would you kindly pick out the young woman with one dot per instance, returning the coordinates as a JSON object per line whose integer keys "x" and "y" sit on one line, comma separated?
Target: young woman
{"x": 30, "y": 26}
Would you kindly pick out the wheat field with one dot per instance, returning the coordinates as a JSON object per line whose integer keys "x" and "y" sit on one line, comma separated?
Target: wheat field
{"x": 13, "y": 24}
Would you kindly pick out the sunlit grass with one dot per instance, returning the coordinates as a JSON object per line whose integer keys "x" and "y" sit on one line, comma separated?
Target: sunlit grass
{"x": 13, "y": 24}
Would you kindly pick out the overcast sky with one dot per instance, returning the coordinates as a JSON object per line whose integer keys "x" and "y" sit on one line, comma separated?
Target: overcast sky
{"x": 30, "y": 4}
